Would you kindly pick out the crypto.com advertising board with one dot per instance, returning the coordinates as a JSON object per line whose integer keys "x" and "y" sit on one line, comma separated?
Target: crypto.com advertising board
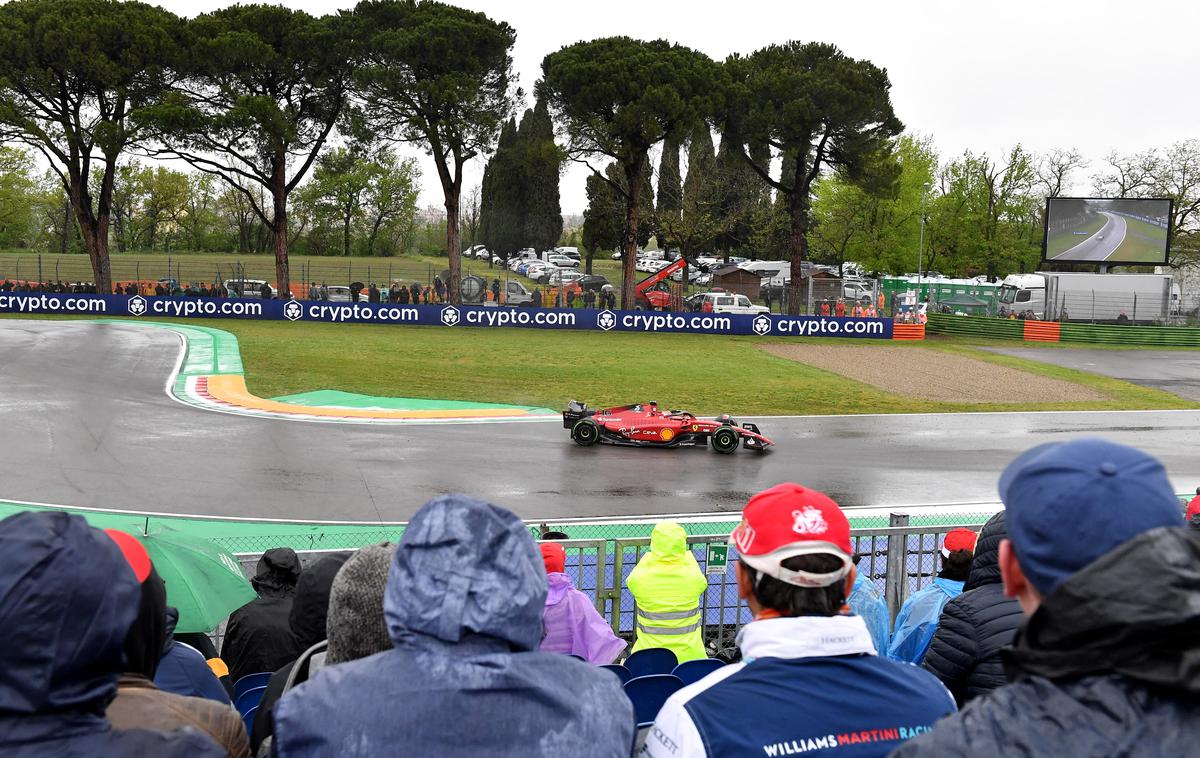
{"x": 451, "y": 316}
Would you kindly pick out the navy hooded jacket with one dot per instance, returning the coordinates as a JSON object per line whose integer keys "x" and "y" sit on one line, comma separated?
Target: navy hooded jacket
{"x": 463, "y": 605}
{"x": 67, "y": 600}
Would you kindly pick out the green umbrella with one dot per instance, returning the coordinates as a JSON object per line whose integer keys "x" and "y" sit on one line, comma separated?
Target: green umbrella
{"x": 203, "y": 580}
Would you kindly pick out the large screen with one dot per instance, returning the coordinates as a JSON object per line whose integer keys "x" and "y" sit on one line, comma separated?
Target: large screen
{"x": 1107, "y": 230}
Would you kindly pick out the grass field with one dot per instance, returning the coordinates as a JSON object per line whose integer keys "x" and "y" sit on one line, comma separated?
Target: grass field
{"x": 702, "y": 373}
{"x": 1143, "y": 242}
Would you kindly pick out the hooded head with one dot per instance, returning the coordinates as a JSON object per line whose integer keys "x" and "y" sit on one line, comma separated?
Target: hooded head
{"x": 355, "y": 627}
{"x": 668, "y": 541}
{"x": 466, "y": 569}
{"x": 145, "y": 642}
{"x": 277, "y": 573}
{"x": 67, "y": 599}
{"x": 310, "y": 607}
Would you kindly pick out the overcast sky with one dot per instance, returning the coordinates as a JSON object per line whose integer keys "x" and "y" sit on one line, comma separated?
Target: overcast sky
{"x": 1097, "y": 76}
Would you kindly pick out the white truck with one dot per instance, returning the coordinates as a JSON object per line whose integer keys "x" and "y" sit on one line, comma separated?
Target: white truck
{"x": 1103, "y": 298}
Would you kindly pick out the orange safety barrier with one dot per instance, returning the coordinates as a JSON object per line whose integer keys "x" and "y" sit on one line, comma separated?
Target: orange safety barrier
{"x": 908, "y": 331}
{"x": 1042, "y": 331}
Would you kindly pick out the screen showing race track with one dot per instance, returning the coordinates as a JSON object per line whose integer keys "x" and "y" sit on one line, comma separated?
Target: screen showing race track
{"x": 1107, "y": 230}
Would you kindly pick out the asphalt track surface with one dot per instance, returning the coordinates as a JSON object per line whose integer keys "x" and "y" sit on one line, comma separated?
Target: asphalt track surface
{"x": 85, "y": 421}
{"x": 1175, "y": 371}
{"x": 1100, "y": 245}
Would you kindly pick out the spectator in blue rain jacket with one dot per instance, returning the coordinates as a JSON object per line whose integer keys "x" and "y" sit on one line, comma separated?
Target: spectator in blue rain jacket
{"x": 918, "y": 617}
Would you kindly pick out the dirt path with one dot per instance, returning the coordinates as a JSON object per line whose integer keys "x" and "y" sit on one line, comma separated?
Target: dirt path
{"x": 935, "y": 375}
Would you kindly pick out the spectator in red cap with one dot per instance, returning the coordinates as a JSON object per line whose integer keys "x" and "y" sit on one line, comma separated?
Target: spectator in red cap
{"x": 1193, "y": 511}
{"x": 571, "y": 624}
{"x": 918, "y": 617}
{"x": 809, "y": 681}
{"x": 1106, "y": 663}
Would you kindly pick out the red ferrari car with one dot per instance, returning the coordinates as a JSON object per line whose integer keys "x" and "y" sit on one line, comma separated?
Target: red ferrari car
{"x": 647, "y": 426}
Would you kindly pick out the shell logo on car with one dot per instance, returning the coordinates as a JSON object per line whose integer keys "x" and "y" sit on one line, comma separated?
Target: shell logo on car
{"x": 667, "y": 435}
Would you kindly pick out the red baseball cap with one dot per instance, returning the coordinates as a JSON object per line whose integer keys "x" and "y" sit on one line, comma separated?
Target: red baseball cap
{"x": 789, "y": 520}
{"x": 554, "y": 556}
{"x": 958, "y": 539}
{"x": 134, "y": 552}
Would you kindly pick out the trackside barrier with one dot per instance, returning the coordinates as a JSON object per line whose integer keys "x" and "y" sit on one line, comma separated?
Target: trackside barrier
{"x": 446, "y": 316}
{"x": 1051, "y": 331}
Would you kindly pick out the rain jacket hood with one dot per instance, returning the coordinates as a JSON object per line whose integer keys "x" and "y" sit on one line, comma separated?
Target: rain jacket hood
{"x": 985, "y": 567}
{"x": 145, "y": 644}
{"x": 668, "y": 541}
{"x": 67, "y": 599}
{"x": 1133, "y": 612}
{"x": 277, "y": 572}
{"x": 465, "y": 569}
{"x": 463, "y": 606}
{"x": 310, "y": 605}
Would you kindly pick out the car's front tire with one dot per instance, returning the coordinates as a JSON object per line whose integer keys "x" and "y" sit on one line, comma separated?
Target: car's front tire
{"x": 585, "y": 432}
{"x": 724, "y": 440}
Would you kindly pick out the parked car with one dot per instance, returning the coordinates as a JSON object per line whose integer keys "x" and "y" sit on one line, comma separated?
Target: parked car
{"x": 517, "y": 294}
{"x": 563, "y": 261}
{"x": 570, "y": 252}
{"x": 725, "y": 302}
{"x": 248, "y": 287}
{"x": 593, "y": 282}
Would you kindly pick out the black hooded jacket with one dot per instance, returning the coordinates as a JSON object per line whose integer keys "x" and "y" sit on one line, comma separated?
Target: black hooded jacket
{"x": 965, "y": 650}
{"x": 1109, "y": 665}
{"x": 259, "y": 636}
{"x": 310, "y": 608}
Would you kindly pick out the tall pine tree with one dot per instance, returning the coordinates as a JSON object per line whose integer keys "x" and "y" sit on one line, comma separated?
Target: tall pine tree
{"x": 738, "y": 190}
{"x": 670, "y": 190}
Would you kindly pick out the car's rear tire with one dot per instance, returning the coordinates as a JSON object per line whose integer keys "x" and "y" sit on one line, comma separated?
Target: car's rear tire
{"x": 724, "y": 440}
{"x": 585, "y": 432}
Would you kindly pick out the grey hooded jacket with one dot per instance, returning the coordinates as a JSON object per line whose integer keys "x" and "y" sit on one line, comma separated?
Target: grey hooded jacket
{"x": 464, "y": 607}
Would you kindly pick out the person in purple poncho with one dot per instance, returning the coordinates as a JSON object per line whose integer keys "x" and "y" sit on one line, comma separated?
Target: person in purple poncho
{"x": 571, "y": 622}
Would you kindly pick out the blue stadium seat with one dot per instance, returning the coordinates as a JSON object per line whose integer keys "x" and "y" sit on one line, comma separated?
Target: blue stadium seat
{"x": 248, "y": 720}
{"x": 693, "y": 671}
{"x": 652, "y": 660}
{"x": 249, "y": 699}
{"x": 249, "y": 682}
{"x": 648, "y": 693}
{"x": 621, "y": 672}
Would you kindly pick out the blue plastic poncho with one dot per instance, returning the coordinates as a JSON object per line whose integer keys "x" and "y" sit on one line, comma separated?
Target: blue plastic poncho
{"x": 918, "y": 620}
{"x": 866, "y": 601}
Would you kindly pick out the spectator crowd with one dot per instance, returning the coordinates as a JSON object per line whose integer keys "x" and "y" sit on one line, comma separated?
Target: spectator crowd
{"x": 1068, "y": 626}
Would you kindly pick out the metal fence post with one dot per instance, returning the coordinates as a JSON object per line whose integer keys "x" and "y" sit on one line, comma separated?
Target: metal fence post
{"x": 896, "y": 587}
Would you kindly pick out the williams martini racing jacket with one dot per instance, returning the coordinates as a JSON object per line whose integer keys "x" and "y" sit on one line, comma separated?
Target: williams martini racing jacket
{"x": 807, "y": 686}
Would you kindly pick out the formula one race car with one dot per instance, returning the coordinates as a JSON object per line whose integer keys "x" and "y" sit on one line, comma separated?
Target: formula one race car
{"x": 647, "y": 426}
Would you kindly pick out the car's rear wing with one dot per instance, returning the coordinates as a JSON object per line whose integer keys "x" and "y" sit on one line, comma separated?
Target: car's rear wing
{"x": 574, "y": 412}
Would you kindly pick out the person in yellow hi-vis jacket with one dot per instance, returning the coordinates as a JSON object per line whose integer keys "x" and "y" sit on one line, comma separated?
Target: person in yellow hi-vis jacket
{"x": 666, "y": 585}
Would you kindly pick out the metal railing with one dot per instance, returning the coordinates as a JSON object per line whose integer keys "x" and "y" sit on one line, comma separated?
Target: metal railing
{"x": 900, "y": 559}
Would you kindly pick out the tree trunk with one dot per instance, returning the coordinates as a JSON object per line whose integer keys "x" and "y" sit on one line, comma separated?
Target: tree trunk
{"x": 95, "y": 240}
{"x": 453, "y": 254}
{"x": 633, "y": 176}
{"x": 797, "y": 246}
{"x": 279, "y": 231}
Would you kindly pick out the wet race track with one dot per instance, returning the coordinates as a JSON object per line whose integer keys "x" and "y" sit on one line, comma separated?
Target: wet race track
{"x": 85, "y": 421}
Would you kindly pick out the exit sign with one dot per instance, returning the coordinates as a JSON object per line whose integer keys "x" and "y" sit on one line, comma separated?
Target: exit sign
{"x": 718, "y": 558}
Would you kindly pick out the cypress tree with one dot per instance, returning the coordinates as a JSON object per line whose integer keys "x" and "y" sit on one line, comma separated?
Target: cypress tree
{"x": 542, "y": 221}
{"x": 700, "y": 201}
{"x": 502, "y": 205}
{"x": 670, "y": 189}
